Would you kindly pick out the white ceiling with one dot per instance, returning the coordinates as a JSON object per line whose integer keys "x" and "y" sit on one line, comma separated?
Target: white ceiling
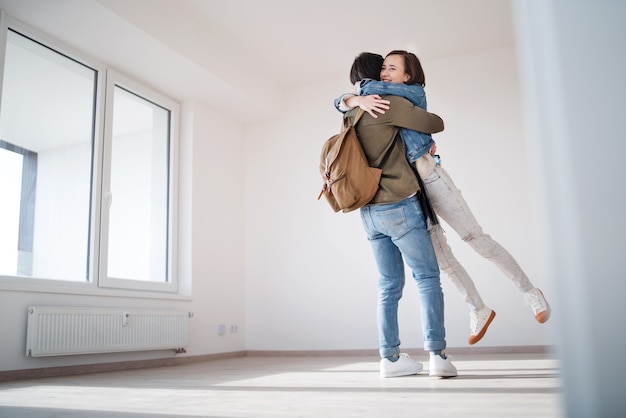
{"x": 291, "y": 41}
{"x": 241, "y": 54}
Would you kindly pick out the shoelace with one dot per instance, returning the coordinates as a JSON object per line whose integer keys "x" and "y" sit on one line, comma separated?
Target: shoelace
{"x": 474, "y": 322}
{"x": 535, "y": 302}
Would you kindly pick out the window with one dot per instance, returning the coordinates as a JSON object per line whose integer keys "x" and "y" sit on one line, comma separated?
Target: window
{"x": 48, "y": 118}
{"x": 87, "y": 189}
{"x": 137, "y": 187}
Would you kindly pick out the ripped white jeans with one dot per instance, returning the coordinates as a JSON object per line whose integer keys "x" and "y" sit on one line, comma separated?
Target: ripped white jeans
{"x": 450, "y": 206}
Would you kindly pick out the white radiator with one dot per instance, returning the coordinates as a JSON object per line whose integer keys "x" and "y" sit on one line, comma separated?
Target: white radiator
{"x": 58, "y": 331}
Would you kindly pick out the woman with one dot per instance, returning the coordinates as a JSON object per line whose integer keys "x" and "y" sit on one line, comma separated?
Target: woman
{"x": 401, "y": 74}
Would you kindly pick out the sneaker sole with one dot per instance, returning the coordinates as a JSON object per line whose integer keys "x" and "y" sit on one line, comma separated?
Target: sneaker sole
{"x": 403, "y": 373}
{"x": 443, "y": 374}
{"x": 473, "y": 339}
{"x": 543, "y": 316}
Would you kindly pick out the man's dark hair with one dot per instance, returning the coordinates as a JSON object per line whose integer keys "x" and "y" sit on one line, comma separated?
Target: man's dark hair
{"x": 366, "y": 65}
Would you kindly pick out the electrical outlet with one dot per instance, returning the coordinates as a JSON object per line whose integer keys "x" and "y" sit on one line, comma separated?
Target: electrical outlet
{"x": 234, "y": 329}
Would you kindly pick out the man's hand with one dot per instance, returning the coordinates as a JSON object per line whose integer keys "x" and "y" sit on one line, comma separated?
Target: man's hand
{"x": 371, "y": 103}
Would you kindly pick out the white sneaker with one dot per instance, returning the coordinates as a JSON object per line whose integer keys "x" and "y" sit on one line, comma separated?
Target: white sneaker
{"x": 539, "y": 305}
{"x": 404, "y": 366}
{"x": 479, "y": 322}
{"x": 441, "y": 367}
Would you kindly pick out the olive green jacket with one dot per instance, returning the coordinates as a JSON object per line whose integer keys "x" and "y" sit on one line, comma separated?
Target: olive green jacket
{"x": 398, "y": 180}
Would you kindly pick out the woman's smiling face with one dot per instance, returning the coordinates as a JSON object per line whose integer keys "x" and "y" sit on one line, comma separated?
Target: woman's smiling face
{"x": 393, "y": 70}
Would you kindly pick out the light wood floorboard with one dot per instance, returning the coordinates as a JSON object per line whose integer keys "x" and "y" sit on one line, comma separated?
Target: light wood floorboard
{"x": 488, "y": 385}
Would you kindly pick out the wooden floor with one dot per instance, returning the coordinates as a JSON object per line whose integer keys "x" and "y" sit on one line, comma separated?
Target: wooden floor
{"x": 488, "y": 385}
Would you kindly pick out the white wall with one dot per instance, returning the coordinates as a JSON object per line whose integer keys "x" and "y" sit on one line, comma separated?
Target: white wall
{"x": 311, "y": 279}
{"x": 217, "y": 233}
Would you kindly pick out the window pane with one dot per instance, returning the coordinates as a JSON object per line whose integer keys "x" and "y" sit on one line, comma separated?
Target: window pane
{"x": 138, "y": 215}
{"x": 48, "y": 113}
{"x": 10, "y": 190}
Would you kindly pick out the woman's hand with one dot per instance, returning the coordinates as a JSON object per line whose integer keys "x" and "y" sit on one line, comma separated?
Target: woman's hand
{"x": 371, "y": 103}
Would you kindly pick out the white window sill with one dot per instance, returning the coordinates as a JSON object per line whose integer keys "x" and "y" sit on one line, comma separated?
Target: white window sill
{"x": 16, "y": 284}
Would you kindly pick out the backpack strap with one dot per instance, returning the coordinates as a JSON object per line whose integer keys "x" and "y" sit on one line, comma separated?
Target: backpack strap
{"x": 355, "y": 120}
{"x": 422, "y": 195}
{"x": 427, "y": 208}
{"x": 387, "y": 154}
{"x": 386, "y": 157}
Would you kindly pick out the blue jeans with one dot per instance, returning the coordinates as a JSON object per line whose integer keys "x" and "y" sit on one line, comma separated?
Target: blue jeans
{"x": 397, "y": 233}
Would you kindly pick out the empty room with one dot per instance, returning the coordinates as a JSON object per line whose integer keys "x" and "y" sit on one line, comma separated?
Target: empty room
{"x": 208, "y": 275}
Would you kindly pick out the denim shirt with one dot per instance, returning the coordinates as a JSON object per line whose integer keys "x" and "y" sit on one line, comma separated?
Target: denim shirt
{"x": 416, "y": 143}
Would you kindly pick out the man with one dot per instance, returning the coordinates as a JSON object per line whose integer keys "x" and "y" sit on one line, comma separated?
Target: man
{"x": 395, "y": 226}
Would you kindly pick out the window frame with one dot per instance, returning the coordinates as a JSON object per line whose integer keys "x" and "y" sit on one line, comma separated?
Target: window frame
{"x": 105, "y": 82}
{"x": 116, "y": 79}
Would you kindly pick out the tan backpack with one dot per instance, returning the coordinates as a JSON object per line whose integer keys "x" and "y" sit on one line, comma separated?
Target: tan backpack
{"x": 349, "y": 181}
